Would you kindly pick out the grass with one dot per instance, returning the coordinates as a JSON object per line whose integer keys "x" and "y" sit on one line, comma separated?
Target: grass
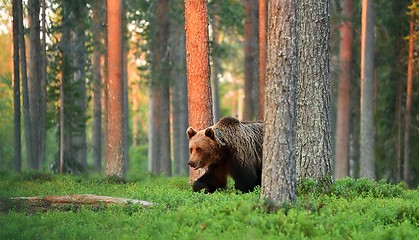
{"x": 350, "y": 209}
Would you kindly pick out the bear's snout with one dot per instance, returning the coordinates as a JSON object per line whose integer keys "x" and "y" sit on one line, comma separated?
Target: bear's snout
{"x": 193, "y": 165}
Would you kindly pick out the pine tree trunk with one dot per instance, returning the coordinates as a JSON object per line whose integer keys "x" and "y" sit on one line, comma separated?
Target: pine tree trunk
{"x": 215, "y": 69}
{"x": 17, "y": 149}
{"x": 408, "y": 103}
{"x": 251, "y": 83}
{"x": 262, "y": 55}
{"x": 159, "y": 134}
{"x": 43, "y": 93}
{"x": 314, "y": 148}
{"x": 34, "y": 79}
{"x": 114, "y": 144}
{"x": 165, "y": 157}
{"x": 367, "y": 159}
{"x": 105, "y": 80}
{"x": 97, "y": 86}
{"x": 279, "y": 143}
{"x": 344, "y": 94}
{"x": 25, "y": 90}
{"x": 179, "y": 98}
{"x": 198, "y": 69}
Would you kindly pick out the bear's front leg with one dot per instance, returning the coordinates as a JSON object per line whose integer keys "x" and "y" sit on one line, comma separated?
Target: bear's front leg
{"x": 215, "y": 177}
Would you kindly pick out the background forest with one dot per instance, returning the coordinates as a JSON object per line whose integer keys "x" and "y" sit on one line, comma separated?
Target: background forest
{"x": 66, "y": 74}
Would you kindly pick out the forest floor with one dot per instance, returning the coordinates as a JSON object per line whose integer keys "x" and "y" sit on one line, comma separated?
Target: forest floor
{"x": 350, "y": 209}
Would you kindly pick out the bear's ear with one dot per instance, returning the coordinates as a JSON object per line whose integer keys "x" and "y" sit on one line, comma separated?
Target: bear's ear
{"x": 210, "y": 133}
{"x": 190, "y": 132}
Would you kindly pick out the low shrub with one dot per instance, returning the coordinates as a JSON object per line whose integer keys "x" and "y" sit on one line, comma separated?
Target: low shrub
{"x": 348, "y": 209}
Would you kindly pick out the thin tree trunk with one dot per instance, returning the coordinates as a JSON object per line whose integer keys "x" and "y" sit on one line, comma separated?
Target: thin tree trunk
{"x": 198, "y": 69}
{"x": 34, "y": 79}
{"x": 314, "y": 148}
{"x": 262, "y": 55}
{"x": 25, "y": 90}
{"x": 179, "y": 99}
{"x": 215, "y": 69}
{"x": 125, "y": 49}
{"x": 344, "y": 94}
{"x": 114, "y": 148}
{"x": 251, "y": 83}
{"x": 17, "y": 153}
{"x": 163, "y": 19}
{"x": 398, "y": 64}
{"x": 97, "y": 87}
{"x": 367, "y": 159}
{"x": 43, "y": 94}
{"x": 408, "y": 103}
{"x": 105, "y": 81}
{"x": 279, "y": 143}
{"x": 62, "y": 124}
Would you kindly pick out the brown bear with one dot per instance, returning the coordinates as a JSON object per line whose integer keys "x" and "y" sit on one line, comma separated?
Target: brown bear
{"x": 228, "y": 148}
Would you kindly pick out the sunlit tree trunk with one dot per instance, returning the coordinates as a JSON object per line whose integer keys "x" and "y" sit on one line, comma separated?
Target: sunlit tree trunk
{"x": 314, "y": 148}
{"x": 105, "y": 95}
{"x": 279, "y": 143}
{"x": 367, "y": 159}
{"x": 344, "y": 94}
{"x": 17, "y": 149}
{"x": 251, "y": 67}
{"x": 198, "y": 69}
{"x": 179, "y": 98}
{"x": 25, "y": 90}
{"x": 408, "y": 103}
{"x": 97, "y": 86}
{"x": 114, "y": 147}
{"x": 262, "y": 55}
{"x": 215, "y": 69}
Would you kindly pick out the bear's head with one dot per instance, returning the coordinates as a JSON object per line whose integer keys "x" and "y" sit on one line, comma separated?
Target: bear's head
{"x": 204, "y": 148}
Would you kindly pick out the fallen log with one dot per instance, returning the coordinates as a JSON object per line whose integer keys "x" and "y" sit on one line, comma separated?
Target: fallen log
{"x": 73, "y": 201}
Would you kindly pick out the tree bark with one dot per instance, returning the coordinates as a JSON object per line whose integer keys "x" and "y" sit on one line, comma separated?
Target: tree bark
{"x": 279, "y": 143}
{"x": 215, "y": 69}
{"x": 114, "y": 144}
{"x": 408, "y": 102}
{"x": 314, "y": 148}
{"x": 344, "y": 94}
{"x": 43, "y": 93}
{"x": 367, "y": 159}
{"x": 251, "y": 83}
{"x": 198, "y": 69}
{"x": 34, "y": 80}
{"x": 25, "y": 90}
{"x": 17, "y": 142}
{"x": 262, "y": 56}
{"x": 97, "y": 86}
{"x": 179, "y": 98}
{"x": 159, "y": 135}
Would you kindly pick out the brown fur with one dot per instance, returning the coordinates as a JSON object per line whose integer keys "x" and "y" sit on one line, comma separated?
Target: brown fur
{"x": 228, "y": 148}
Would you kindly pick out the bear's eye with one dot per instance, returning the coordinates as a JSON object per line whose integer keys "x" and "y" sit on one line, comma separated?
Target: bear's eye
{"x": 190, "y": 150}
{"x": 198, "y": 149}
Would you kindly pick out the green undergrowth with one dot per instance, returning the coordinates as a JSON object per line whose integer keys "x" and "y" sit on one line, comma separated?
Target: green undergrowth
{"x": 349, "y": 209}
